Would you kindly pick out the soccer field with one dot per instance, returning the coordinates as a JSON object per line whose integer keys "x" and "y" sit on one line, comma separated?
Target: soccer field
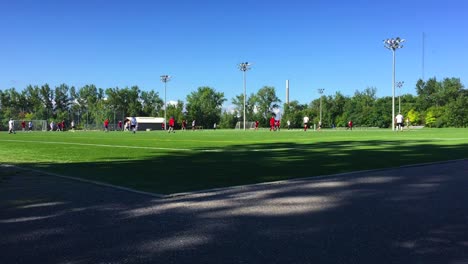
{"x": 184, "y": 161}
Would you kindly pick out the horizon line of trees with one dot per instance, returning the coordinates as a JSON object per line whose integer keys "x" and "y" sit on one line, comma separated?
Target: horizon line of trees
{"x": 437, "y": 104}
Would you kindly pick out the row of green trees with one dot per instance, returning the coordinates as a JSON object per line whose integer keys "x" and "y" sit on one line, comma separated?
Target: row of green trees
{"x": 437, "y": 104}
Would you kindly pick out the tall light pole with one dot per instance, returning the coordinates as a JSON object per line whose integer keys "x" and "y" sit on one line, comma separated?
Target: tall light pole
{"x": 244, "y": 66}
{"x": 399, "y": 85}
{"x": 320, "y": 90}
{"x": 393, "y": 45}
{"x": 165, "y": 79}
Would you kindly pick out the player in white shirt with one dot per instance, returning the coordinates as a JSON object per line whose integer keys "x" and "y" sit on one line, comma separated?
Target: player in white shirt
{"x": 399, "y": 121}
{"x": 11, "y": 126}
{"x": 306, "y": 122}
{"x": 133, "y": 124}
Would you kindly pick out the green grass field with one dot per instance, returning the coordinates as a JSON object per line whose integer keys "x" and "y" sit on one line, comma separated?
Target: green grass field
{"x": 195, "y": 160}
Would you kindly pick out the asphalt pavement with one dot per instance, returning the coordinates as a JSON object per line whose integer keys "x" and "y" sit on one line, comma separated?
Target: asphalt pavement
{"x": 414, "y": 214}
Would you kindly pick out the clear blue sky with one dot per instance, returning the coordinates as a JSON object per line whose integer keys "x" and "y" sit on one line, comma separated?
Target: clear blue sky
{"x": 336, "y": 45}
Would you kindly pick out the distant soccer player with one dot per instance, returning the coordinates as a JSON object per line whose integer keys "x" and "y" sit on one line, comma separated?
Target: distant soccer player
{"x": 272, "y": 123}
{"x": 289, "y": 124}
{"x": 133, "y": 124}
{"x": 350, "y": 125}
{"x": 30, "y": 126}
{"x": 306, "y": 122}
{"x": 23, "y": 125}
{"x": 11, "y": 126}
{"x": 399, "y": 120}
{"x": 193, "y": 125}
{"x": 256, "y": 125}
{"x": 126, "y": 124}
{"x": 72, "y": 124}
{"x": 278, "y": 124}
{"x": 184, "y": 124}
{"x": 171, "y": 125}
{"x": 120, "y": 124}
{"x": 106, "y": 125}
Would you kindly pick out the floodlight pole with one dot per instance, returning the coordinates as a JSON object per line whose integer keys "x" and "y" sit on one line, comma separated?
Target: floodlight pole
{"x": 393, "y": 45}
{"x": 399, "y": 85}
{"x": 320, "y": 90}
{"x": 244, "y": 66}
{"x": 165, "y": 79}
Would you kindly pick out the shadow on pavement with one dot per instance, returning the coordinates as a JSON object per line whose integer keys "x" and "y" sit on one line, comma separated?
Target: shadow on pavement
{"x": 406, "y": 215}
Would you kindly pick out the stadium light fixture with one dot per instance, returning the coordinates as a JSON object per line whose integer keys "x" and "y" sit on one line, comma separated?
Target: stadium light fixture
{"x": 320, "y": 90}
{"x": 399, "y": 85}
{"x": 393, "y": 45}
{"x": 165, "y": 79}
{"x": 244, "y": 66}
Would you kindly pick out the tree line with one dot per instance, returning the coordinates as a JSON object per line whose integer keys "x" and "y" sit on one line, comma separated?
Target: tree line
{"x": 436, "y": 104}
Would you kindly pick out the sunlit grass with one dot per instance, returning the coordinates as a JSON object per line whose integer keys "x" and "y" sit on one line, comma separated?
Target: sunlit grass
{"x": 192, "y": 160}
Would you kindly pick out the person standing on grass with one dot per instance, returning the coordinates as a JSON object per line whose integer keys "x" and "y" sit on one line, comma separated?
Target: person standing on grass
{"x": 319, "y": 125}
{"x": 289, "y": 124}
{"x": 72, "y": 124}
{"x": 278, "y": 124}
{"x": 272, "y": 123}
{"x": 52, "y": 125}
{"x": 11, "y": 126}
{"x": 256, "y": 125}
{"x": 23, "y": 125}
{"x": 350, "y": 125}
{"x": 120, "y": 125}
{"x": 399, "y": 121}
{"x": 127, "y": 125}
{"x": 171, "y": 125}
{"x": 193, "y": 125}
{"x": 133, "y": 124}
{"x": 184, "y": 124}
{"x": 106, "y": 125}
{"x": 30, "y": 126}
{"x": 306, "y": 122}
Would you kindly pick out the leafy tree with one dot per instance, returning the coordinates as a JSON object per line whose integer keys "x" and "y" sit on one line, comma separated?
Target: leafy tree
{"x": 61, "y": 99}
{"x": 205, "y": 106}
{"x": 434, "y": 93}
{"x": 433, "y": 117}
{"x": 414, "y": 117}
{"x": 238, "y": 102}
{"x": 381, "y": 114}
{"x": 35, "y": 104}
{"x": 266, "y": 102}
{"x": 151, "y": 104}
{"x": 47, "y": 97}
{"x": 294, "y": 112}
{"x": 456, "y": 112}
{"x": 177, "y": 111}
{"x": 228, "y": 120}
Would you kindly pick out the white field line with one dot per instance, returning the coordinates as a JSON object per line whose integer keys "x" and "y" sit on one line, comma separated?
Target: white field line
{"x": 448, "y": 139}
{"x": 96, "y": 145}
{"x": 141, "y": 147}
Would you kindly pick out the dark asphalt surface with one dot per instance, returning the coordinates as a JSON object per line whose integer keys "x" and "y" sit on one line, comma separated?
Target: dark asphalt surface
{"x": 414, "y": 214}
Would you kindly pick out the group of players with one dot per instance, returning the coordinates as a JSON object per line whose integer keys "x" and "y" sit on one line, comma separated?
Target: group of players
{"x": 11, "y": 126}
{"x": 128, "y": 125}
{"x": 132, "y": 125}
